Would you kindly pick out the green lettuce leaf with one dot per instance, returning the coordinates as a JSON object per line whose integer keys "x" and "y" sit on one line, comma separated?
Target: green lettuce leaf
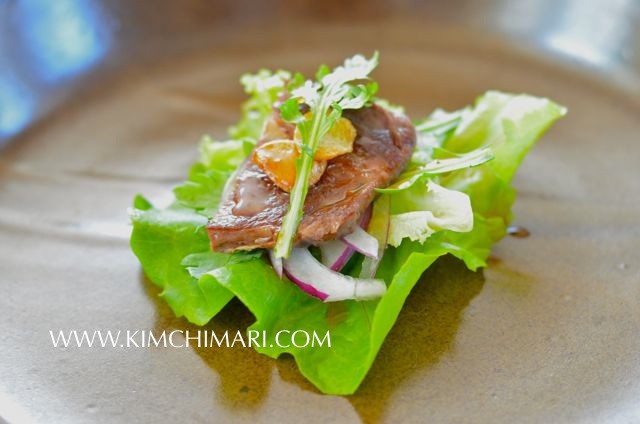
{"x": 203, "y": 190}
{"x": 423, "y": 209}
{"x": 224, "y": 156}
{"x": 207, "y": 180}
{"x": 435, "y": 166}
{"x": 357, "y": 329}
{"x": 509, "y": 125}
{"x": 161, "y": 239}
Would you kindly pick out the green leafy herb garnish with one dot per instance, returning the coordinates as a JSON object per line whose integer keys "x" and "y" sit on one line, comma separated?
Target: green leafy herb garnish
{"x": 439, "y": 166}
{"x": 327, "y": 98}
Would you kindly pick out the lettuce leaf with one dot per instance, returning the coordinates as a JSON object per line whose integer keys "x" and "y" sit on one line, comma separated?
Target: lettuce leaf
{"x": 161, "y": 239}
{"x": 174, "y": 250}
{"x": 225, "y": 156}
{"x": 357, "y": 329}
{"x": 422, "y": 210}
{"x": 435, "y": 166}
{"x": 509, "y": 124}
{"x": 263, "y": 89}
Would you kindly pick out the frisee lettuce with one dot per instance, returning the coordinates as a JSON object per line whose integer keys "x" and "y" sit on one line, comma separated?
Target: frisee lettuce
{"x": 424, "y": 209}
{"x": 173, "y": 247}
{"x": 263, "y": 89}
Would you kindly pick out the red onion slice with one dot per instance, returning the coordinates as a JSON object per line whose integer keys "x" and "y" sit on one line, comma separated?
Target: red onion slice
{"x": 335, "y": 254}
{"x": 362, "y": 242}
{"x": 327, "y": 285}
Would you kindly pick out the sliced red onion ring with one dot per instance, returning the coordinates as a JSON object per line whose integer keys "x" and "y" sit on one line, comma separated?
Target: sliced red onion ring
{"x": 362, "y": 242}
{"x": 335, "y": 254}
{"x": 275, "y": 262}
{"x": 329, "y": 286}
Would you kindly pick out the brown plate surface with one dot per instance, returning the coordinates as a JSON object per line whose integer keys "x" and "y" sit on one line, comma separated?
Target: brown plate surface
{"x": 550, "y": 332}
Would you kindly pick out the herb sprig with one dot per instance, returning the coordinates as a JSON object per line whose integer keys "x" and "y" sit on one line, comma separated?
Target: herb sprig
{"x": 346, "y": 87}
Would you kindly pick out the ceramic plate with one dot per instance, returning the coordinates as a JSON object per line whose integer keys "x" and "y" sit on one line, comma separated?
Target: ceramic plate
{"x": 549, "y": 332}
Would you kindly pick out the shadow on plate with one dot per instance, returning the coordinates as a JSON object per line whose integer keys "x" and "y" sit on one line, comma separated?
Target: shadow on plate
{"x": 425, "y": 330}
{"x": 244, "y": 374}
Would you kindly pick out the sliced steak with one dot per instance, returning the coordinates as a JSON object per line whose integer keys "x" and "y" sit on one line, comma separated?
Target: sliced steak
{"x": 251, "y": 215}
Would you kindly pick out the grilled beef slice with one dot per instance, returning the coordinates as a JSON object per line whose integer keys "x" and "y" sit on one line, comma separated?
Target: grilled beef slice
{"x": 251, "y": 214}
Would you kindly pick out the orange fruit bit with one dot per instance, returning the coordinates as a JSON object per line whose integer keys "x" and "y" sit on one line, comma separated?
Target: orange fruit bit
{"x": 337, "y": 141}
{"x": 277, "y": 159}
{"x": 273, "y": 130}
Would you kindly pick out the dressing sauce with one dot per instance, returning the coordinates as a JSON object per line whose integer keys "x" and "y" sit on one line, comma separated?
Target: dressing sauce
{"x": 518, "y": 231}
{"x": 252, "y": 196}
